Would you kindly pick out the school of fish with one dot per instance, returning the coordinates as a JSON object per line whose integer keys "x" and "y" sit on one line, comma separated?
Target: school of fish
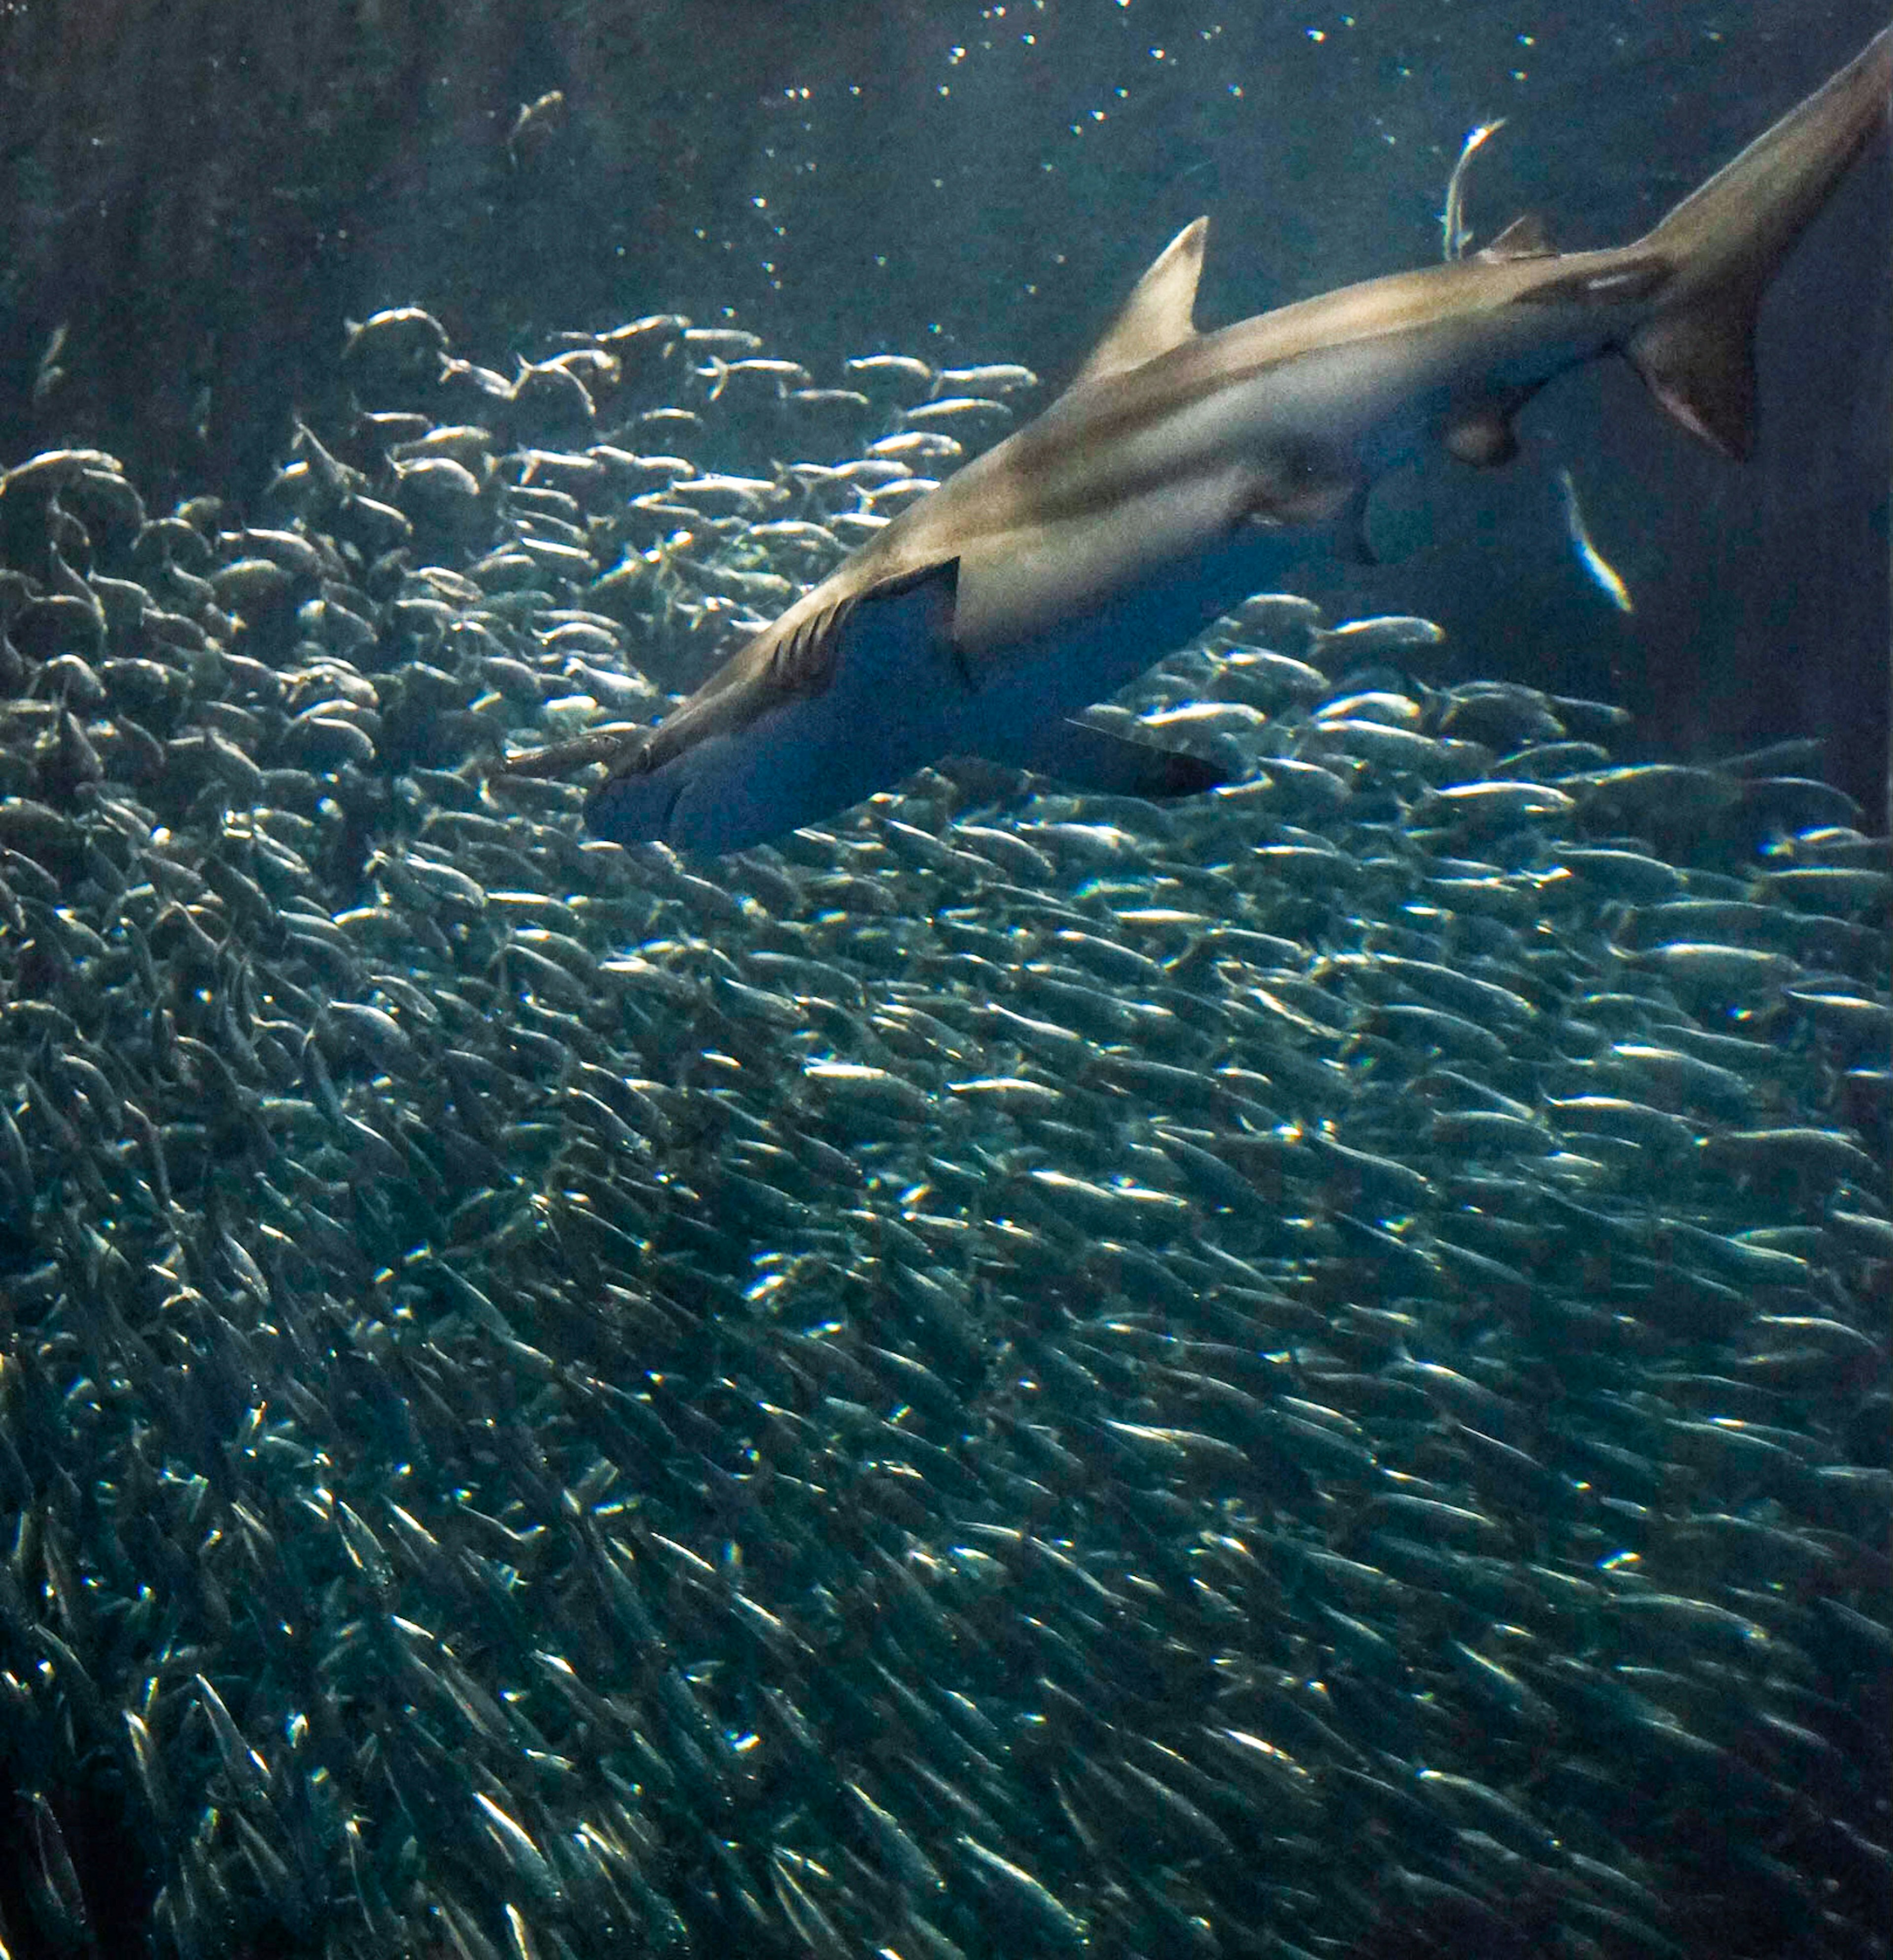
{"x": 1299, "y": 1373}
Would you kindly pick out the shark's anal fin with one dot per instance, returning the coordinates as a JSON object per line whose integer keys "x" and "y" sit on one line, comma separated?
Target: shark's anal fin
{"x": 1088, "y": 758}
{"x": 1351, "y": 540}
{"x": 1160, "y": 313}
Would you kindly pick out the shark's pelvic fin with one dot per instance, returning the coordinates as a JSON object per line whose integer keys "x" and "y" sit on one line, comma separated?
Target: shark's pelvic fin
{"x": 1160, "y": 313}
{"x": 1484, "y": 435}
{"x": 1295, "y": 483}
{"x": 1088, "y": 758}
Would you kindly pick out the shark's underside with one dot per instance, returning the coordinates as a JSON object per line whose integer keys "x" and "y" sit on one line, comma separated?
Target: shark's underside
{"x": 1182, "y": 471}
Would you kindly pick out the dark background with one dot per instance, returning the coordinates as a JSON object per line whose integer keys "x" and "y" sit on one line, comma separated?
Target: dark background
{"x": 201, "y": 191}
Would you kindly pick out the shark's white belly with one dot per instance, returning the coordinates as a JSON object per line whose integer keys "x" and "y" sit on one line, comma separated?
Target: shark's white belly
{"x": 900, "y": 698}
{"x": 889, "y": 710}
{"x": 885, "y": 715}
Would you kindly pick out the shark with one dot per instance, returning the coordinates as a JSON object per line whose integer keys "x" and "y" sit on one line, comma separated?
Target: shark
{"x": 1182, "y": 471}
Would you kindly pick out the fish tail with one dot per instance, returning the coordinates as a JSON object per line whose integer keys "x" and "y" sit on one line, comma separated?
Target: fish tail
{"x": 1726, "y": 239}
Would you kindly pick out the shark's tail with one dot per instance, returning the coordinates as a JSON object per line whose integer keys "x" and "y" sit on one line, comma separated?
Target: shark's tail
{"x": 1724, "y": 241}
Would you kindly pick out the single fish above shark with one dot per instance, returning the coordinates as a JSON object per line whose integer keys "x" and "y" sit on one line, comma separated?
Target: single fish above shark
{"x": 1181, "y": 472}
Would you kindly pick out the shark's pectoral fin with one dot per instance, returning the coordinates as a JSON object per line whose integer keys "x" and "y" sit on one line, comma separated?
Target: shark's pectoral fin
{"x": 1700, "y": 364}
{"x": 1089, "y": 758}
{"x": 922, "y": 604}
{"x": 633, "y": 805}
{"x": 1160, "y": 313}
{"x": 848, "y": 698}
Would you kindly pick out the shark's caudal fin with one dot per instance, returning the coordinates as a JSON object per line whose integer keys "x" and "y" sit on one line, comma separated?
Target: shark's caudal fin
{"x": 1724, "y": 241}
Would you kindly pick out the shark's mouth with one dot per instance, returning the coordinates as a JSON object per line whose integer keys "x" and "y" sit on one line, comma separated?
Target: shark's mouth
{"x": 636, "y": 808}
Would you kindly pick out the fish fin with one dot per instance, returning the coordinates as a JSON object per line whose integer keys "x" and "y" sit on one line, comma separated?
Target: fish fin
{"x": 1700, "y": 364}
{"x": 1160, "y": 313}
{"x": 1482, "y": 436}
{"x": 936, "y": 586}
{"x": 1727, "y": 239}
{"x": 926, "y": 599}
{"x": 1525, "y": 237}
{"x": 1089, "y": 758}
{"x": 799, "y": 662}
{"x": 632, "y": 805}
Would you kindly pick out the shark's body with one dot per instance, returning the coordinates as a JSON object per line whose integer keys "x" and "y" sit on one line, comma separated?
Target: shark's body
{"x": 1182, "y": 471}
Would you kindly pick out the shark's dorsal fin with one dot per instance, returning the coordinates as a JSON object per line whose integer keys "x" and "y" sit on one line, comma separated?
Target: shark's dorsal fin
{"x": 1525, "y": 237}
{"x": 1160, "y": 313}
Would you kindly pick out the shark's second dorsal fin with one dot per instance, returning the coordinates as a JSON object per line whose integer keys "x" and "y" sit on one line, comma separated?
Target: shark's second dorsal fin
{"x": 1159, "y": 315}
{"x": 1525, "y": 237}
